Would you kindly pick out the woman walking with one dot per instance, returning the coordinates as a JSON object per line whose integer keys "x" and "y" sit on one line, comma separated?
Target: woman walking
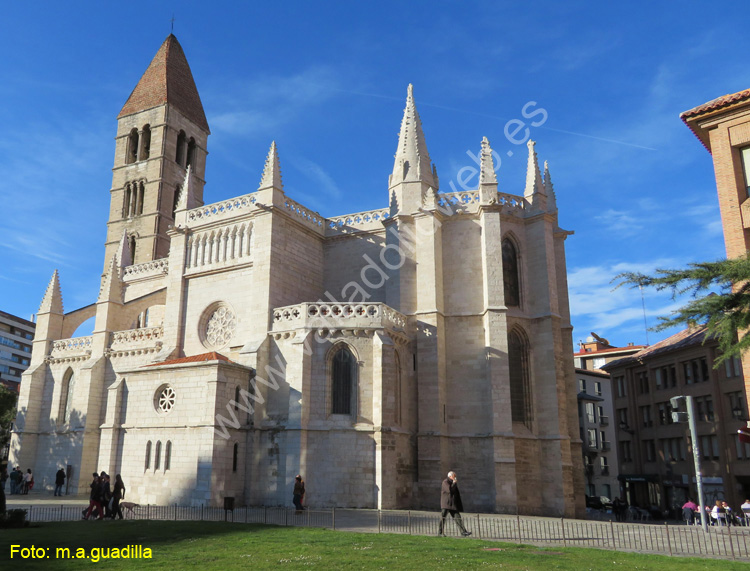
{"x": 117, "y": 494}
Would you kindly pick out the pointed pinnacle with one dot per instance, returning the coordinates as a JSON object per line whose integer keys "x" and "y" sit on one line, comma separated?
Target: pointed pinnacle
{"x": 52, "y": 301}
{"x": 549, "y": 189}
{"x": 533, "y": 176}
{"x": 124, "y": 255}
{"x": 487, "y": 168}
{"x": 111, "y": 289}
{"x": 271, "y": 170}
{"x": 412, "y": 160}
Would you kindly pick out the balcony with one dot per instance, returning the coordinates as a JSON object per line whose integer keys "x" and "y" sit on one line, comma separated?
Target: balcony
{"x": 606, "y": 446}
{"x": 604, "y": 420}
{"x": 605, "y": 470}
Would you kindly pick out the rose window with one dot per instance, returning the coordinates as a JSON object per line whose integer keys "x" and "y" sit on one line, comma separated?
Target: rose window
{"x": 166, "y": 399}
{"x": 220, "y": 327}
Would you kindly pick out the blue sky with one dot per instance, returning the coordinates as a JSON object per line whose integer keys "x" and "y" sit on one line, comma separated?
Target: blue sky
{"x": 328, "y": 81}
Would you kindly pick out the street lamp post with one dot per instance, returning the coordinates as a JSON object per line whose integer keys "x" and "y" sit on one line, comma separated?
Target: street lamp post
{"x": 689, "y": 416}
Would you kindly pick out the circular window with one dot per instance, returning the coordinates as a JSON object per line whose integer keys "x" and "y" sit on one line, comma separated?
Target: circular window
{"x": 218, "y": 326}
{"x": 164, "y": 399}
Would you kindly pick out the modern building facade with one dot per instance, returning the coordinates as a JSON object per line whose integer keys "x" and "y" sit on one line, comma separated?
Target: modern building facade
{"x": 595, "y": 418}
{"x": 16, "y": 335}
{"x": 655, "y": 453}
{"x": 596, "y": 352}
{"x": 239, "y": 343}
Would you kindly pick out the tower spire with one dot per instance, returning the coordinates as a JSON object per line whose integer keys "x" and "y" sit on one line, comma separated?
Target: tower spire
{"x": 412, "y": 162}
{"x": 52, "y": 301}
{"x": 271, "y": 170}
{"x": 487, "y": 168}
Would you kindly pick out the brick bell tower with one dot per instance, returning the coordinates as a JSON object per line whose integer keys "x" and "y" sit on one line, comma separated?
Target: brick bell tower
{"x": 161, "y": 130}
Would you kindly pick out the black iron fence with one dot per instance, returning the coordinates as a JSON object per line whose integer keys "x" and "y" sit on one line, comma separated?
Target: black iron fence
{"x": 726, "y": 542}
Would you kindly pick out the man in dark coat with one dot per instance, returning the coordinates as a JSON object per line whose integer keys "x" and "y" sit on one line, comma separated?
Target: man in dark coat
{"x": 450, "y": 502}
{"x": 59, "y": 481}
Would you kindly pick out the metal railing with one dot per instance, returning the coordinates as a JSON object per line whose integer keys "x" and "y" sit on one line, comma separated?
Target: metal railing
{"x": 725, "y": 542}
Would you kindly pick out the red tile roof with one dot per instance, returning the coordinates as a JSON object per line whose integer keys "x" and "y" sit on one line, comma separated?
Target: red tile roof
{"x": 168, "y": 79}
{"x": 689, "y": 117}
{"x": 610, "y": 350}
{"x": 718, "y": 103}
{"x": 685, "y": 338}
{"x": 212, "y": 356}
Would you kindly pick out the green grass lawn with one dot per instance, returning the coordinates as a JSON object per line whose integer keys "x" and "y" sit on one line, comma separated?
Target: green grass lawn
{"x": 212, "y": 545}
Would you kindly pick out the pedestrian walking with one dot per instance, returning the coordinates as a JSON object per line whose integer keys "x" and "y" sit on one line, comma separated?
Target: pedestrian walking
{"x": 450, "y": 503}
{"x": 118, "y": 494}
{"x": 59, "y": 481}
{"x": 94, "y": 499}
{"x": 299, "y": 493}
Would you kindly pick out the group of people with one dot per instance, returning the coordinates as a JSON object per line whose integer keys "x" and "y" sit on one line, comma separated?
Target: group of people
{"x": 719, "y": 514}
{"x": 104, "y": 499}
{"x": 21, "y": 483}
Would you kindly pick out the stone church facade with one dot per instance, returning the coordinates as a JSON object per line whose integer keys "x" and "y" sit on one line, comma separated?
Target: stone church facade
{"x": 239, "y": 343}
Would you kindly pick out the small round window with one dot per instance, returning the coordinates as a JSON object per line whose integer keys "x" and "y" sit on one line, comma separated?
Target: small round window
{"x": 165, "y": 399}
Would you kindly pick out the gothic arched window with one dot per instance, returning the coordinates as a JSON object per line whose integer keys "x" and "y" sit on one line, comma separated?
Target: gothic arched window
{"x": 342, "y": 381}
{"x": 175, "y": 200}
{"x": 235, "y": 455}
{"x": 66, "y": 396}
{"x": 132, "y": 152}
{"x": 131, "y": 243}
{"x": 157, "y": 456}
{"x": 181, "y": 148}
{"x": 168, "y": 455}
{"x": 145, "y": 143}
{"x": 510, "y": 274}
{"x": 520, "y": 381}
{"x": 190, "y": 153}
{"x": 148, "y": 455}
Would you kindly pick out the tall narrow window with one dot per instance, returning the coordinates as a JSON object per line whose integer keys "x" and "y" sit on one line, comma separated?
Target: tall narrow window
{"x": 236, "y": 398}
{"x": 126, "y": 202}
{"x": 157, "y": 456}
{"x": 235, "y": 454}
{"x": 148, "y": 455}
{"x": 190, "y": 153}
{"x": 520, "y": 384}
{"x": 510, "y": 274}
{"x": 132, "y": 152}
{"x": 168, "y": 455}
{"x": 343, "y": 379}
{"x": 745, "y": 157}
{"x": 131, "y": 241}
{"x": 145, "y": 143}
{"x": 181, "y": 148}
{"x": 139, "y": 198}
{"x": 66, "y": 396}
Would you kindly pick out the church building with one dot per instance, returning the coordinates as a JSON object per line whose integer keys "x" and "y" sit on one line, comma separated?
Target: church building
{"x": 239, "y": 343}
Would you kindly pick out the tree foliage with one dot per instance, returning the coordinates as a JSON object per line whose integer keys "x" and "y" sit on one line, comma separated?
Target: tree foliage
{"x": 8, "y": 400}
{"x": 721, "y": 300}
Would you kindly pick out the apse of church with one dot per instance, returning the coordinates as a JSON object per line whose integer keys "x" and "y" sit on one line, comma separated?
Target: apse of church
{"x": 239, "y": 343}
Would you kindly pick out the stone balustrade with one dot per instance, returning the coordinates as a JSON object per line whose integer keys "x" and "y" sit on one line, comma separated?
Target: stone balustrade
{"x": 464, "y": 201}
{"x": 511, "y": 201}
{"x": 309, "y": 217}
{"x": 338, "y": 315}
{"x": 71, "y": 347}
{"x": 210, "y": 212}
{"x": 358, "y": 222}
{"x": 132, "y": 338}
{"x": 146, "y": 270}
